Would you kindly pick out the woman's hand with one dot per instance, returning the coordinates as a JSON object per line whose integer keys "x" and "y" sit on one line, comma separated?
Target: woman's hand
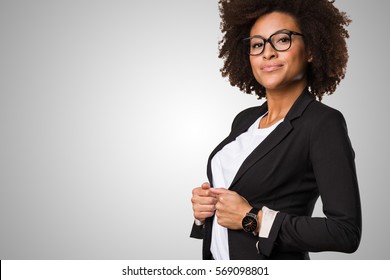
{"x": 231, "y": 208}
{"x": 203, "y": 202}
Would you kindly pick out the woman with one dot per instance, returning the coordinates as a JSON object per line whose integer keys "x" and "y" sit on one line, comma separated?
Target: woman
{"x": 267, "y": 175}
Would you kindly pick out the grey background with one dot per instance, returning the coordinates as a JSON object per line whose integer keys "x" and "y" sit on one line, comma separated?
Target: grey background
{"x": 109, "y": 109}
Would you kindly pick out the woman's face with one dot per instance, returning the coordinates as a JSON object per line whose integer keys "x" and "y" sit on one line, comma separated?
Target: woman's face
{"x": 279, "y": 70}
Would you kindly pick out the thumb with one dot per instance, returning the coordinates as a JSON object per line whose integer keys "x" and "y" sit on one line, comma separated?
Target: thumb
{"x": 205, "y": 186}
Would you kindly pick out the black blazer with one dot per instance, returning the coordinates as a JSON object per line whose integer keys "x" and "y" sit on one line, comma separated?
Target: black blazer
{"x": 308, "y": 155}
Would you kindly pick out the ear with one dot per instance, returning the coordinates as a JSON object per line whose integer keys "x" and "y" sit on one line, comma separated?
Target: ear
{"x": 309, "y": 56}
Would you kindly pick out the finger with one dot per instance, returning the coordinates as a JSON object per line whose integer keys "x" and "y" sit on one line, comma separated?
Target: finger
{"x": 204, "y": 200}
{"x": 208, "y": 200}
{"x": 203, "y": 215}
{"x": 201, "y": 192}
{"x": 205, "y": 186}
{"x": 218, "y": 191}
{"x": 203, "y": 208}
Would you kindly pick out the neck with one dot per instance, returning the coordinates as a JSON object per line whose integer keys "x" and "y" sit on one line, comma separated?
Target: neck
{"x": 279, "y": 102}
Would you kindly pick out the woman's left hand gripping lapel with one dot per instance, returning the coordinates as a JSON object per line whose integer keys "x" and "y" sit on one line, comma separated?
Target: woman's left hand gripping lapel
{"x": 231, "y": 208}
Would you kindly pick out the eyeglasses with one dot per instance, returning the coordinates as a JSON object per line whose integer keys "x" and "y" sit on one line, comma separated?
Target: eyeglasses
{"x": 280, "y": 41}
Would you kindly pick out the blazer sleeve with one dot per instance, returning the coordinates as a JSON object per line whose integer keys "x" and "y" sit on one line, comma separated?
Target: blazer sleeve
{"x": 197, "y": 231}
{"x": 332, "y": 159}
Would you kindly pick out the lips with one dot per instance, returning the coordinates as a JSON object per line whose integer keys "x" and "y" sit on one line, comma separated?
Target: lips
{"x": 271, "y": 67}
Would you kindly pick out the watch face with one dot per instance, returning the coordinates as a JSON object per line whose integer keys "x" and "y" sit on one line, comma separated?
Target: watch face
{"x": 249, "y": 224}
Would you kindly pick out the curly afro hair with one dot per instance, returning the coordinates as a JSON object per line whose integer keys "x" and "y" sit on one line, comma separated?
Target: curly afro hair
{"x": 323, "y": 25}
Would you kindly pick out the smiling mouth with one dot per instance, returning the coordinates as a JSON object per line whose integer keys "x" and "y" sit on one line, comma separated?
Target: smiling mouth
{"x": 271, "y": 68}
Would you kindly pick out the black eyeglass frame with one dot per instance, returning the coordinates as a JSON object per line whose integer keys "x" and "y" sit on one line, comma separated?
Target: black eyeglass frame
{"x": 287, "y": 32}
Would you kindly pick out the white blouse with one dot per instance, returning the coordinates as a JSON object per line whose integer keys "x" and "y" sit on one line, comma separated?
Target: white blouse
{"x": 224, "y": 167}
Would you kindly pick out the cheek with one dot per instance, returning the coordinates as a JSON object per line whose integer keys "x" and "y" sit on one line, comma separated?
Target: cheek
{"x": 254, "y": 65}
{"x": 298, "y": 63}
{"x": 251, "y": 62}
{"x": 301, "y": 57}
{"x": 301, "y": 66}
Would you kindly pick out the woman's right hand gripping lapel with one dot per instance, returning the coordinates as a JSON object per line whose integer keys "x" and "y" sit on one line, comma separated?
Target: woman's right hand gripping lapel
{"x": 203, "y": 202}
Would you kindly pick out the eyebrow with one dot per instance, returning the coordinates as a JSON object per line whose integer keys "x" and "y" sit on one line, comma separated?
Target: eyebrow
{"x": 281, "y": 30}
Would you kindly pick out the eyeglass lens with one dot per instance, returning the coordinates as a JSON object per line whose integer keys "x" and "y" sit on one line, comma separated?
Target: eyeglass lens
{"x": 279, "y": 41}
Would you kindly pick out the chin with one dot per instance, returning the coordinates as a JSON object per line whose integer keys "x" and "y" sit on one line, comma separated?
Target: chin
{"x": 271, "y": 82}
{"x": 283, "y": 85}
{"x": 272, "y": 86}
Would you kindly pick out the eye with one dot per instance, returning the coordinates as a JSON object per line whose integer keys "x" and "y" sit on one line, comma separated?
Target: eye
{"x": 257, "y": 45}
{"x": 283, "y": 40}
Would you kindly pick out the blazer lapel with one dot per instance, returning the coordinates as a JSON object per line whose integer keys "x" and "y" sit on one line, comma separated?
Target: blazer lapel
{"x": 276, "y": 136}
{"x": 236, "y": 131}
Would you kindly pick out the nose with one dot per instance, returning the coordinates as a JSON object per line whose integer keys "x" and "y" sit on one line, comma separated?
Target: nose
{"x": 269, "y": 52}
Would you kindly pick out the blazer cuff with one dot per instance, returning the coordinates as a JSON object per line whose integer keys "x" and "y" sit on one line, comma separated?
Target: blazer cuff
{"x": 197, "y": 231}
{"x": 266, "y": 245}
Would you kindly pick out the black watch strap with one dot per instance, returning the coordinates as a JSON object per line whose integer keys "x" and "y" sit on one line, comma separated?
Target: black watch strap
{"x": 254, "y": 210}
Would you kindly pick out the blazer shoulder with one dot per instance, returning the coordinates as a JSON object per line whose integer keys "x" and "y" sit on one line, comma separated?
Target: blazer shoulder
{"x": 319, "y": 112}
{"x": 324, "y": 121}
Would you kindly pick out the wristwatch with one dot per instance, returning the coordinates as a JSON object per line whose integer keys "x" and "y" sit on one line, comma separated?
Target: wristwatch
{"x": 249, "y": 222}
